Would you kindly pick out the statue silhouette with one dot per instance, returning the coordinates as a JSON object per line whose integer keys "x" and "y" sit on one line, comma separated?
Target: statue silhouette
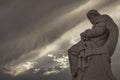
{"x": 90, "y": 58}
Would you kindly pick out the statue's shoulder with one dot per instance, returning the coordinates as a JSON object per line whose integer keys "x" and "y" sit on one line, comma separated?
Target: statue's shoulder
{"x": 105, "y": 16}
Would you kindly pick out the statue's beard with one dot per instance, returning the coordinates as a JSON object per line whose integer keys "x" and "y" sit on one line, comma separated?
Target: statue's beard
{"x": 92, "y": 20}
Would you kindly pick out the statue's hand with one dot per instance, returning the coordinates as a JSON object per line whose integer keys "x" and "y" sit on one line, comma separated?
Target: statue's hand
{"x": 83, "y": 35}
{"x": 88, "y": 31}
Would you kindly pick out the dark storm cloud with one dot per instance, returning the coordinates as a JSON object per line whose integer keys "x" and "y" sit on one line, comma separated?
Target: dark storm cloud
{"x": 19, "y": 19}
{"x": 18, "y": 33}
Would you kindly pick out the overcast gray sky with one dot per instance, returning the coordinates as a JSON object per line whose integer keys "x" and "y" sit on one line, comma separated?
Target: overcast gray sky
{"x": 34, "y": 33}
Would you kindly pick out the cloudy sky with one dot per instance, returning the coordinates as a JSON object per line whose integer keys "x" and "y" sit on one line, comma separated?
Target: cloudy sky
{"x": 35, "y": 36}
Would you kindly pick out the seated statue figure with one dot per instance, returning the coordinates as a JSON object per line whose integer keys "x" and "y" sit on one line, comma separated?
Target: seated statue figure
{"x": 90, "y": 58}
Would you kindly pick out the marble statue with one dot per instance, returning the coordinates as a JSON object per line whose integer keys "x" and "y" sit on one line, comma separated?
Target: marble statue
{"x": 90, "y": 58}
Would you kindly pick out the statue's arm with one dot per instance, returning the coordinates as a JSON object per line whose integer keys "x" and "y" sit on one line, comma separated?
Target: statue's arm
{"x": 98, "y": 30}
{"x": 76, "y": 48}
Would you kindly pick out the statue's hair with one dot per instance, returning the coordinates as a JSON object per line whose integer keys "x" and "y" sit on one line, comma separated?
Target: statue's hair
{"x": 93, "y": 13}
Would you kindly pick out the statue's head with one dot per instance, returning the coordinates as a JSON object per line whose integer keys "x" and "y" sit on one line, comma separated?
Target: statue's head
{"x": 92, "y": 14}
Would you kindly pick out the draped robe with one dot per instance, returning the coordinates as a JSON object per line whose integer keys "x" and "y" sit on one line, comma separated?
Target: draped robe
{"x": 91, "y": 59}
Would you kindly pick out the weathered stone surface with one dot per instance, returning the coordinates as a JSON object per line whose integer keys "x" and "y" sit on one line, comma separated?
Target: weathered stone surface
{"x": 90, "y": 58}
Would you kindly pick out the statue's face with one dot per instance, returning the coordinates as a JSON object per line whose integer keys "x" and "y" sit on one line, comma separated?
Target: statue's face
{"x": 92, "y": 14}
